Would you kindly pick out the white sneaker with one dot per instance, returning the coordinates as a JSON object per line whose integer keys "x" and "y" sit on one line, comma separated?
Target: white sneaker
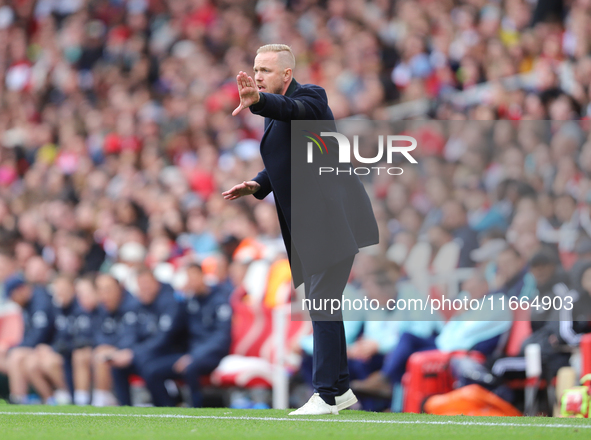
{"x": 315, "y": 406}
{"x": 62, "y": 397}
{"x": 102, "y": 398}
{"x": 345, "y": 400}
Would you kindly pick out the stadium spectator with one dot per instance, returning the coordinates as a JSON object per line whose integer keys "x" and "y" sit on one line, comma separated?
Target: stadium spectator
{"x": 512, "y": 276}
{"x": 575, "y": 321}
{"x": 438, "y": 255}
{"x": 492, "y": 243}
{"x": 551, "y": 280}
{"x": 546, "y": 322}
{"x": 455, "y": 220}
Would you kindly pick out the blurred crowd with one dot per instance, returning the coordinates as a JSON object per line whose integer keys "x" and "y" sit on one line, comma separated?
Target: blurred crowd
{"x": 116, "y": 141}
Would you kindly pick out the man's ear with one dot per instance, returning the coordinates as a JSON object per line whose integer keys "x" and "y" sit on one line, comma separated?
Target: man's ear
{"x": 287, "y": 74}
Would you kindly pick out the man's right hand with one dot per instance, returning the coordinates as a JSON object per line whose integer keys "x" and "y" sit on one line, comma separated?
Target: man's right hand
{"x": 248, "y": 91}
{"x": 242, "y": 189}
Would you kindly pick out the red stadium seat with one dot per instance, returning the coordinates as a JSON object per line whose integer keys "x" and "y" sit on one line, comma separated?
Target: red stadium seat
{"x": 586, "y": 354}
{"x": 520, "y": 330}
{"x": 11, "y": 328}
{"x": 136, "y": 381}
{"x": 427, "y": 372}
{"x": 250, "y": 362}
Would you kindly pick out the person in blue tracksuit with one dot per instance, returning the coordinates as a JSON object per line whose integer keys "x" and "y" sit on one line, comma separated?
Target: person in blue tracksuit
{"x": 66, "y": 309}
{"x": 208, "y": 326}
{"x": 73, "y": 331}
{"x": 117, "y": 307}
{"x": 37, "y": 311}
{"x": 157, "y": 332}
{"x": 86, "y": 313}
{"x": 53, "y": 367}
{"x": 84, "y": 341}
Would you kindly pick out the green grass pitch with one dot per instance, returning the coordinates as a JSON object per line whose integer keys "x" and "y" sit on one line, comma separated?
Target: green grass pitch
{"x": 71, "y": 423}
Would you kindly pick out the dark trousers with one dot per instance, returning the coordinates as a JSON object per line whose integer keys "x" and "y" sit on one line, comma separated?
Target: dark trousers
{"x": 69, "y": 372}
{"x": 360, "y": 370}
{"x": 395, "y": 361}
{"x": 121, "y": 380}
{"x": 156, "y": 371}
{"x": 330, "y": 372}
{"x": 121, "y": 383}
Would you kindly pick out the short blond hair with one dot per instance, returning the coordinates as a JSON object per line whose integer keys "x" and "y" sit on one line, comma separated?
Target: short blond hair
{"x": 280, "y": 49}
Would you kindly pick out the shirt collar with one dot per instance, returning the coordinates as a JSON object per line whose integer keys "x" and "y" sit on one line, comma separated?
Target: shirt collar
{"x": 292, "y": 86}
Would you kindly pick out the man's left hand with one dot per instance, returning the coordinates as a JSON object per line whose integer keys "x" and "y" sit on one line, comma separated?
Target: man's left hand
{"x": 363, "y": 349}
{"x": 122, "y": 358}
{"x": 242, "y": 189}
{"x": 249, "y": 93}
{"x": 181, "y": 365}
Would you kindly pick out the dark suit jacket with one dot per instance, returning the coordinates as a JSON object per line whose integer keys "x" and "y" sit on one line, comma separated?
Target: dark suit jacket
{"x": 336, "y": 217}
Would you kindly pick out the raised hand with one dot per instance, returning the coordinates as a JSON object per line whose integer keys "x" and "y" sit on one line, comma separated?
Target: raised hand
{"x": 249, "y": 93}
{"x": 242, "y": 189}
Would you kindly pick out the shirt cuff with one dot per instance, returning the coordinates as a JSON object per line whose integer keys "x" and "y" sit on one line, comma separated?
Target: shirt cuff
{"x": 259, "y": 105}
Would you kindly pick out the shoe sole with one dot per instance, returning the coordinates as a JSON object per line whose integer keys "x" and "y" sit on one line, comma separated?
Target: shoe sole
{"x": 347, "y": 403}
{"x": 323, "y": 414}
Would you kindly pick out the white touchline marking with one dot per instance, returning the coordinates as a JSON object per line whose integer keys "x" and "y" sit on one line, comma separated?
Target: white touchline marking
{"x": 296, "y": 419}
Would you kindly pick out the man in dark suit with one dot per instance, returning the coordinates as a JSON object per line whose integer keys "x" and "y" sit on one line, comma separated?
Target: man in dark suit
{"x": 343, "y": 219}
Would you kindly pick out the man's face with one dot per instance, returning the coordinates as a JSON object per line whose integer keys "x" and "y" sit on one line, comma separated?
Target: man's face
{"x": 7, "y": 267}
{"x": 438, "y": 237}
{"x": 195, "y": 282}
{"x": 37, "y": 270}
{"x": 148, "y": 288}
{"x": 542, "y": 273}
{"x": 109, "y": 292}
{"x": 22, "y": 295}
{"x": 586, "y": 281}
{"x": 86, "y": 294}
{"x": 564, "y": 208}
{"x": 509, "y": 265}
{"x": 527, "y": 244}
{"x": 63, "y": 291}
{"x": 269, "y": 73}
{"x": 476, "y": 286}
{"x": 453, "y": 215}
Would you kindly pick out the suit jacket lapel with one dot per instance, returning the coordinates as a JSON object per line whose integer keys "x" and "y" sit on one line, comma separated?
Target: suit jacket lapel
{"x": 268, "y": 121}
